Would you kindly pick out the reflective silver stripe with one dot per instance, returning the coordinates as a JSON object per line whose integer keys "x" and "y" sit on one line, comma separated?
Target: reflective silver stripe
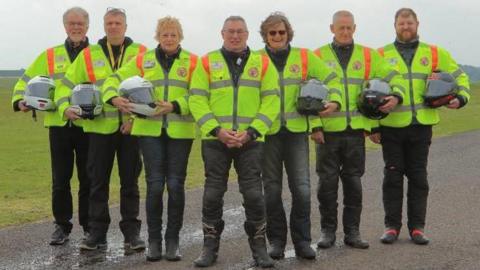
{"x": 334, "y": 91}
{"x": 179, "y": 118}
{"x": 461, "y": 87}
{"x": 399, "y": 87}
{"x": 264, "y": 119}
{"x": 457, "y": 73}
{"x": 25, "y": 78}
{"x": 407, "y": 108}
{"x": 352, "y": 81}
{"x": 157, "y": 83}
{"x": 343, "y": 114}
{"x": 68, "y": 83}
{"x": 178, "y": 83}
{"x": 220, "y": 84}
{"x": 291, "y": 81}
{"x": 99, "y": 83}
{"x": 205, "y": 118}
{"x": 293, "y": 115}
{"x": 330, "y": 77}
{"x": 111, "y": 88}
{"x": 225, "y": 119}
{"x": 249, "y": 83}
{"x": 199, "y": 92}
{"x": 19, "y": 92}
{"x": 111, "y": 114}
{"x": 390, "y": 76}
{"x": 417, "y": 76}
{"x": 115, "y": 75}
{"x": 61, "y": 101}
{"x": 265, "y": 93}
{"x": 58, "y": 76}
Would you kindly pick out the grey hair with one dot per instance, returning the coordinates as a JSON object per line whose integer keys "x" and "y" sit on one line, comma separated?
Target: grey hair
{"x": 77, "y": 10}
{"x": 115, "y": 12}
{"x": 342, "y": 13}
{"x": 235, "y": 18}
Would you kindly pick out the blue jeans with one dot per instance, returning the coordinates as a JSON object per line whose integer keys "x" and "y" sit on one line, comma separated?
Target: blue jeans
{"x": 166, "y": 161}
{"x": 290, "y": 150}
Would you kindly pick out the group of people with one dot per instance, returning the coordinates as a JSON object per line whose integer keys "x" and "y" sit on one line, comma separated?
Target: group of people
{"x": 244, "y": 103}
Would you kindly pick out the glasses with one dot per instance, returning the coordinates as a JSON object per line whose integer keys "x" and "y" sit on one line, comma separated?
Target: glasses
{"x": 233, "y": 31}
{"x": 274, "y": 33}
{"x": 115, "y": 10}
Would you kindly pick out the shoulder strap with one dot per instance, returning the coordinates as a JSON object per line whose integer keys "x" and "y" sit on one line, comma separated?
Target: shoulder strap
{"x": 193, "y": 64}
{"x": 318, "y": 53}
{"x": 206, "y": 65}
{"x": 368, "y": 59}
{"x": 304, "y": 56}
{"x": 88, "y": 63}
{"x": 50, "y": 61}
{"x": 139, "y": 63}
{"x": 434, "y": 50}
{"x": 141, "y": 49}
{"x": 265, "y": 62}
{"x": 381, "y": 51}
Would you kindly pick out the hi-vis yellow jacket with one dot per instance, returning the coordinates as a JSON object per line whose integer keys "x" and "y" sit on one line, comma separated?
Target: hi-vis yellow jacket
{"x": 171, "y": 86}
{"x": 215, "y": 101}
{"x": 92, "y": 65}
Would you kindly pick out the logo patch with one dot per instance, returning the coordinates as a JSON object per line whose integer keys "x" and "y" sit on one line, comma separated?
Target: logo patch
{"x": 294, "y": 68}
{"x": 60, "y": 58}
{"x": 424, "y": 61}
{"x": 99, "y": 63}
{"x": 331, "y": 64}
{"x": 392, "y": 61}
{"x": 217, "y": 65}
{"x": 148, "y": 64}
{"x": 128, "y": 58}
{"x": 253, "y": 72}
{"x": 357, "y": 65}
{"x": 182, "y": 72}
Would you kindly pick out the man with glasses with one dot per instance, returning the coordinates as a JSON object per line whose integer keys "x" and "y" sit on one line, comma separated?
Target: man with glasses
{"x": 67, "y": 139}
{"x": 109, "y": 133}
{"x": 234, "y": 99}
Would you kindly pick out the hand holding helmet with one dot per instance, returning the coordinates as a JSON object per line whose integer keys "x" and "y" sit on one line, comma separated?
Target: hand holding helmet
{"x": 441, "y": 90}
{"x": 163, "y": 107}
{"x": 312, "y": 98}
{"x": 136, "y": 96}
{"x": 375, "y": 95}
{"x": 39, "y": 94}
{"x": 85, "y": 102}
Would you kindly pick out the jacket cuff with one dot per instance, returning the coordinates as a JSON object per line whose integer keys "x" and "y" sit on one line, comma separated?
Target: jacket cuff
{"x": 253, "y": 133}
{"x": 463, "y": 101}
{"x": 16, "y": 108}
{"x": 316, "y": 129}
{"x": 176, "y": 107}
{"x": 214, "y": 131}
{"x": 400, "y": 98}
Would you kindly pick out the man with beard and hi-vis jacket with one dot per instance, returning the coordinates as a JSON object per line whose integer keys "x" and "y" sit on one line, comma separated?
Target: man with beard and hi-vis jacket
{"x": 108, "y": 135}
{"x": 406, "y": 133}
{"x": 234, "y": 100}
{"x": 341, "y": 149}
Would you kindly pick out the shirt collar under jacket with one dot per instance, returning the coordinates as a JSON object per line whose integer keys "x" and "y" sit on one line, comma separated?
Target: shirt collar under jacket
{"x": 74, "y": 51}
{"x": 279, "y": 57}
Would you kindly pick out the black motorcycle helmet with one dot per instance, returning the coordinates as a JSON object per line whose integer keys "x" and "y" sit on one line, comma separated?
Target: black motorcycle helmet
{"x": 441, "y": 88}
{"x": 312, "y": 97}
{"x": 372, "y": 98}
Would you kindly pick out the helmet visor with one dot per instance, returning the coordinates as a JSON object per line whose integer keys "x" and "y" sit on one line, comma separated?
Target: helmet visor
{"x": 139, "y": 95}
{"x": 41, "y": 89}
{"x": 85, "y": 94}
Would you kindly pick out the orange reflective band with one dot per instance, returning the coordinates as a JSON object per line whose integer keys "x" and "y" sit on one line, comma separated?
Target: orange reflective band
{"x": 193, "y": 64}
{"x": 88, "y": 63}
{"x": 318, "y": 53}
{"x": 381, "y": 51}
{"x": 139, "y": 63}
{"x": 434, "y": 50}
{"x": 265, "y": 62}
{"x": 206, "y": 65}
{"x": 141, "y": 49}
{"x": 368, "y": 60}
{"x": 50, "y": 62}
{"x": 304, "y": 56}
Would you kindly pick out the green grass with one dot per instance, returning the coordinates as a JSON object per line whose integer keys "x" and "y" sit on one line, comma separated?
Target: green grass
{"x": 25, "y": 183}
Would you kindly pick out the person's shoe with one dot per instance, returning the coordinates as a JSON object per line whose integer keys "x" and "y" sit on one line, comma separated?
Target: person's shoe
{"x": 327, "y": 239}
{"x": 389, "y": 236}
{"x": 211, "y": 244}
{"x": 277, "y": 251}
{"x": 172, "y": 252}
{"x": 258, "y": 244}
{"x": 418, "y": 237}
{"x": 135, "y": 243}
{"x": 59, "y": 236}
{"x": 154, "y": 251}
{"x": 93, "y": 242}
{"x": 305, "y": 251}
{"x": 354, "y": 240}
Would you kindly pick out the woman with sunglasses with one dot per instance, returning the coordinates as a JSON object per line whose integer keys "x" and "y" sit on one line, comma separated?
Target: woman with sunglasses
{"x": 166, "y": 138}
{"x": 286, "y": 144}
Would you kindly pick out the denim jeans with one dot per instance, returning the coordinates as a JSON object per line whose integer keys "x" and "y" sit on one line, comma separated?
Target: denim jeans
{"x": 290, "y": 150}
{"x": 166, "y": 161}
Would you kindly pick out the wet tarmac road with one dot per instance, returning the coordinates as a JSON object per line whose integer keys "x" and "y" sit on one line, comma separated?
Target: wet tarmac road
{"x": 452, "y": 224}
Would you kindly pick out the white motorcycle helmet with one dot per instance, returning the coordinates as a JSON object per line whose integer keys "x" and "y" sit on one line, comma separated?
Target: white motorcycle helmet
{"x": 86, "y": 100}
{"x": 39, "y": 94}
{"x": 141, "y": 95}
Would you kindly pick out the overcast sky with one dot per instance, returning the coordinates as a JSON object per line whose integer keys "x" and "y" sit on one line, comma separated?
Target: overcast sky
{"x": 29, "y": 27}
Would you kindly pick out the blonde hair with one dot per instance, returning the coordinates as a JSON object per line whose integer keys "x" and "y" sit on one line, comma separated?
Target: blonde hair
{"x": 168, "y": 22}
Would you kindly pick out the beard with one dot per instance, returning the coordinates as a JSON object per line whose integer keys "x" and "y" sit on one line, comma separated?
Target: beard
{"x": 407, "y": 36}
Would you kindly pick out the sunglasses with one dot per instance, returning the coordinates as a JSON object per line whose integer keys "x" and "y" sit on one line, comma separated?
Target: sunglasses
{"x": 114, "y": 9}
{"x": 274, "y": 33}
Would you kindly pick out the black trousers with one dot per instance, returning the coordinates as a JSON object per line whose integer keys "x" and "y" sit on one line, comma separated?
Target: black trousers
{"x": 247, "y": 162}
{"x": 101, "y": 156}
{"x": 69, "y": 145}
{"x": 405, "y": 152}
{"x": 342, "y": 156}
